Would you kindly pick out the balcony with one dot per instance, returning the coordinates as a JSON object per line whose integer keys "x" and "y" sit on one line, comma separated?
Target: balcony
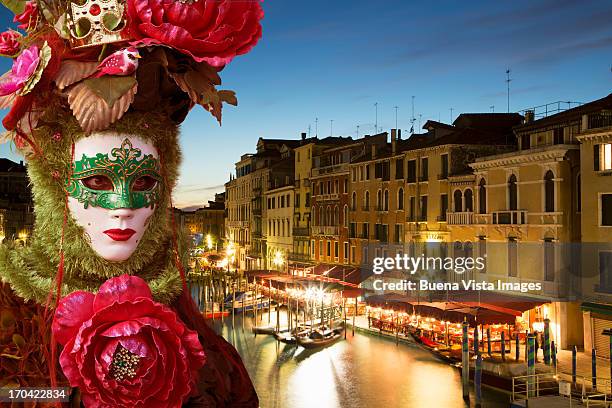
{"x": 459, "y": 218}
{"x": 599, "y": 120}
{"x": 328, "y": 197}
{"x": 509, "y": 217}
{"x": 325, "y": 230}
{"x": 301, "y": 232}
{"x": 336, "y": 168}
{"x": 238, "y": 224}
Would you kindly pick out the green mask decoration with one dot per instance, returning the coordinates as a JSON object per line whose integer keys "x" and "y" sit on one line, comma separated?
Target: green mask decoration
{"x": 124, "y": 180}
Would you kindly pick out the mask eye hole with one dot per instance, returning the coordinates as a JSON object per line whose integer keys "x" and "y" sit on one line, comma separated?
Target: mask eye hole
{"x": 99, "y": 183}
{"x": 144, "y": 183}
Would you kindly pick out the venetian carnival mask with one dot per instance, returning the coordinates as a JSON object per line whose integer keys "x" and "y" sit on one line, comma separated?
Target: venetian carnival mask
{"x": 113, "y": 191}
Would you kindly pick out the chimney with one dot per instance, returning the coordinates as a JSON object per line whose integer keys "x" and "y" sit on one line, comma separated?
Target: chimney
{"x": 303, "y": 135}
{"x": 529, "y": 116}
{"x": 399, "y": 134}
{"x": 393, "y": 140}
{"x": 373, "y": 151}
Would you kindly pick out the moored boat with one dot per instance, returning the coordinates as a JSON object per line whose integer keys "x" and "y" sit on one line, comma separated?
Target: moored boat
{"x": 319, "y": 338}
{"x": 246, "y": 301}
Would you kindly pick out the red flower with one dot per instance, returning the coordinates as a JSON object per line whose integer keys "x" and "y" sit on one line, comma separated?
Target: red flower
{"x": 122, "y": 349}
{"x": 29, "y": 17}
{"x": 214, "y": 31}
{"x": 10, "y": 43}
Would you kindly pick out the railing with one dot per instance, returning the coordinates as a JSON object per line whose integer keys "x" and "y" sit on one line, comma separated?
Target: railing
{"x": 328, "y": 197}
{"x": 510, "y": 217}
{"x": 546, "y": 218}
{"x": 459, "y": 218}
{"x": 533, "y": 386}
{"x": 238, "y": 224}
{"x": 599, "y": 120}
{"x": 319, "y": 171}
{"x": 325, "y": 230}
{"x": 301, "y": 232}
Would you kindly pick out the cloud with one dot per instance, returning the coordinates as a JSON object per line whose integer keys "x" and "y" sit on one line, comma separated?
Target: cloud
{"x": 193, "y": 189}
{"x": 566, "y": 51}
{"x": 519, "y": 91}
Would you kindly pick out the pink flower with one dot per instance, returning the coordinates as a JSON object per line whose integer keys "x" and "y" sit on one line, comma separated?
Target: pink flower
{"x": 24, "y": 67}
{"x": 214, "y": 31}
{"x": 29, "y": 17}
{"x": 10, "y": 43}
{"x": 123, "y": 349}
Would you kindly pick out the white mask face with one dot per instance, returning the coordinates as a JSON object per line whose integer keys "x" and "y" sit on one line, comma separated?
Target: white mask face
{"x": 114, "y": 190}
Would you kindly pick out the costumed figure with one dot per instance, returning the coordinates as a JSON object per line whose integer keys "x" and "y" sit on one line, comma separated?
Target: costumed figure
{"x": 98, "y": 300}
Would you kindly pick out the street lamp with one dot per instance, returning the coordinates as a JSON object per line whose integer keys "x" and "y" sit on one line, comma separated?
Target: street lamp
{"x": 278, "y": 260}
{"x": 209, "y": 242}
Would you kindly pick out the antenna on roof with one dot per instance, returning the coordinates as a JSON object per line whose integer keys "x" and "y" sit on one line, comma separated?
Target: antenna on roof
{"x": 412, "y": 120}
{"x": 316, "y": 127}
{"x": 309, "y": 128}
{"x": 331, "y": 127}
{"x": 492, "y": 107}
{"x": 420, "y": 117}
{"x": 508, "y": 80}
{"x": 357, "y": 131}
{"x": 396, "y": 108}
{"x": 451, "y": 111}
{"x": 376, "y": 121}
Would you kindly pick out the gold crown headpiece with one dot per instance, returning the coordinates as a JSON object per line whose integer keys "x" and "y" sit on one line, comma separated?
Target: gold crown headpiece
{"x": 97, "y": 22}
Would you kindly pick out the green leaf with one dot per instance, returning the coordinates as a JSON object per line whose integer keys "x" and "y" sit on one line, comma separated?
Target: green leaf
{"x": 111, "y": 21}
{"x": 110, "y": 88}
{"x": 16, "y": 6}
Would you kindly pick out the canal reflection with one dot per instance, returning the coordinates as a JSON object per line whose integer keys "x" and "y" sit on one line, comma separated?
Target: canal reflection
{"x": 361, "y": 371}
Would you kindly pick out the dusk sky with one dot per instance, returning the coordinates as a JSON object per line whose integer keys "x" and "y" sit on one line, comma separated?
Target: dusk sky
{"x": 335, "y": 59}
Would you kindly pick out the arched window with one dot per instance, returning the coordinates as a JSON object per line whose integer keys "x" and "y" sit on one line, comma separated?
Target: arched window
{"x": 366, "y": 201}
{"x": 328, "y": 218}
{"x": 379, "y": 200}
{"x": 336, "y": 216}
{"x": 458, "y": 200}
{"x": 549, "y": 192}
{"x": 400, "y": 199}
{"x": 346, "y": 216}
{"x": 321, "y": 220}
{"x": 354, "y": 201}
{"x": 386, "y": 201}
{"x": 482, "y": 196}
{"x": 469, "y": 200}
{"x": 512, "y": 193}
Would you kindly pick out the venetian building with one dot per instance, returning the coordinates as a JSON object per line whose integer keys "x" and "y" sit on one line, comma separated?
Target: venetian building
{"x": 525, "y": 221}
{"x": 594, "y": 204}
{"x": 300, "y": 259}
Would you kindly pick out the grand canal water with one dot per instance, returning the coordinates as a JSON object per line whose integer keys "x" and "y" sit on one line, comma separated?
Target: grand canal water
{"x": 361, "y": 371}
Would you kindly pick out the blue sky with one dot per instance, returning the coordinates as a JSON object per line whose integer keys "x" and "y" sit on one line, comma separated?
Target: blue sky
{"x": 332, "y": 60}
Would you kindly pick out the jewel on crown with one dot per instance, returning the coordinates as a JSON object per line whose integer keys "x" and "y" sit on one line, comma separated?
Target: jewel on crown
{"x": 97, "y": 22}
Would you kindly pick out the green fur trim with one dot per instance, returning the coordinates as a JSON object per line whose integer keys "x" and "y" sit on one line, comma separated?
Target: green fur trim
{"x": 31, "y": 270}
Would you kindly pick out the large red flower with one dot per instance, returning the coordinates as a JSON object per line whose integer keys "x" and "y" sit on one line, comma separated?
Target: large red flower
{"x": 122, "y": 349}
{"x": 214, "y": 31}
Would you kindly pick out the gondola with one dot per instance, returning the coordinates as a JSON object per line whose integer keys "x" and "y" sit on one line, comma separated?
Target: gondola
{"x": 319, "y": 338}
